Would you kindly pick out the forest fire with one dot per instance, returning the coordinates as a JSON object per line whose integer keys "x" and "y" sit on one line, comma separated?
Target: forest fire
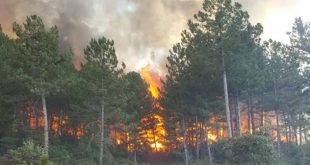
{"x": 58, "y": 124}
{"x": 156, "y": 135}
{"x": 216, "y": 128}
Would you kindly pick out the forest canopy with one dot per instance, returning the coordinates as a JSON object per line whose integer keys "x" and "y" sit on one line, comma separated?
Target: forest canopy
{"x": 228, "y": 97}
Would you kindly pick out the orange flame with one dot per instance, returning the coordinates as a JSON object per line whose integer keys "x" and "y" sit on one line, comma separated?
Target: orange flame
{"x": 151, "y": 80}
{"x": 57, "y": 124}
{"x": 155, "y": 137}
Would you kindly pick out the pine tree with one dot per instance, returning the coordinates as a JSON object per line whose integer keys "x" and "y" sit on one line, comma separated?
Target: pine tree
{"x": 39, "y": 60}
{"x": 138, "y": 105}
{"x": 224, "y": 26}
{"x": 102, "y": 74}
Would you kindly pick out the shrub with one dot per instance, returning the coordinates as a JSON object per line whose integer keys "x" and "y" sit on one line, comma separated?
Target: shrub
{"x": 292, "y": 154}
{"x": 253, "y": 150}
{"x": 28, "y": 154}
{"x": 222, "y": 151}
{"x": 60, "y": 155}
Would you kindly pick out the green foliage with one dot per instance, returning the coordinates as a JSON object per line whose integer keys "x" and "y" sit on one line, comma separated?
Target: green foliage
{"x": 102, "y": 52}
{"x": 292, "y": 154}
{"x": 253, "y": 150}
{"x": 12, "y": 91}
{"x": 306, "y": 151}
{"x": 86, "y": 152}
{"x": 38, "y": 55}
{"x": 300, "y": 35}
{"x": 247, "y": 150}
{"x": 220, "y": 29}
{"x": 28, "y": 154}
{"x": 138, "y": 105}
{"x": 74, "y": 152}
{"x": 222, "y": 151}
{"x": 102, "y": 75}
{"x": 60, "y": 155}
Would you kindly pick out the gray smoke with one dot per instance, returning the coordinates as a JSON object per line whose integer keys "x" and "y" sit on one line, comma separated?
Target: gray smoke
{"x": 143, "y": 30}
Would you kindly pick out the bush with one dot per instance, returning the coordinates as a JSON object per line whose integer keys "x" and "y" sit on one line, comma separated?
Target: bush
{"x": 60, "y": 155}
{"x": 247, "y": 150}
{"x": 28, "y": 154}
{"x": 292, "y": 154}
{"x": 253, "y": 150}
{"x": 221, "y": 151}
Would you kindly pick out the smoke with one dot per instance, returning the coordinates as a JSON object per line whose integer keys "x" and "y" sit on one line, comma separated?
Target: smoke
{"x": 276, "y": 16}
{"x": 143, "y": 30}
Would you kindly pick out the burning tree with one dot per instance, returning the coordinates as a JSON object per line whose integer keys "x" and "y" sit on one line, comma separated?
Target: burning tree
{"x": 154, "y": 127}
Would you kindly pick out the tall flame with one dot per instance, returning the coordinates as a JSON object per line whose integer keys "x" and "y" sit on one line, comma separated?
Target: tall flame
{"x": 150, "y": 80}
{"x": 156, "y": 137}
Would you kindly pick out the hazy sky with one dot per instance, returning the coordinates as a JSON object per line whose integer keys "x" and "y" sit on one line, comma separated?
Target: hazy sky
{"x": 143, "y": 30}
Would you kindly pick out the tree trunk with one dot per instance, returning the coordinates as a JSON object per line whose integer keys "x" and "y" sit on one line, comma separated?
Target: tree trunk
{"x": 252, "y": 115}
{"x": 197, "y": 141}
{"x": 135, "y": 157}
{"x": 285, "y": 126}
{"x": 191, "y": 133}
{"x": 290, "y": 133}
{"x": 226, "y": 97}
{"x": 249, "y": 118}
{"x": 201, "y": 135}
{"x": 37, "y": 116}
{"x": 102, "y": 134}
{"x": 275, "y": 94}
{"x": 262, "y": 122}
{"x": 45, "y": 124}
{"x": 253, "y": 120}
{"x": 184, "y": 142}
{"x": 238, "y": 116}
{"x": 300, "y": 128}
{"x": 60, "y": 123}
{"x": 207, "y": 142}
{"x": 305, "y": 134}
{"x": 261, "y": 118}
{"x": 295, "y": 133}
{"x": 233, "y": 123}
{"x": 278, "y": 132}
{"x": 289, "y": 128}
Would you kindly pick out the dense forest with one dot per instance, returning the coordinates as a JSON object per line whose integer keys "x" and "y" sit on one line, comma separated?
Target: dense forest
{"x": 228, "y": 97}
